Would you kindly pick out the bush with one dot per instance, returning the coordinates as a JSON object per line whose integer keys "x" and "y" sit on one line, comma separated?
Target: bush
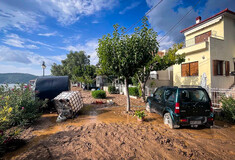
{"x": 133, "y": 91}
{"x": 228, "y": 106}
{"x": 98, "y": 94}
{"x": 112, "y": 90}
{"x": 18, "y": 106}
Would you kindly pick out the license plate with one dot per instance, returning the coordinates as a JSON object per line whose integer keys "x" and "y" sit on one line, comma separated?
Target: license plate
{"x": 195, "y": 122}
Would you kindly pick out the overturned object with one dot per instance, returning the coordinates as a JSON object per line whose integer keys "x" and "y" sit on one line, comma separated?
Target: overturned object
{"x": 68, "y": 104}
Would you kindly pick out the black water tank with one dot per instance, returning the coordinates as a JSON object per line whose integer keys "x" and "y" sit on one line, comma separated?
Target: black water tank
{"x": 48, "y": 87}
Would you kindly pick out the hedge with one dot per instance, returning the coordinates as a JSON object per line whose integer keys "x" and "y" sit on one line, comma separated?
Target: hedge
{"x": 98, "y": 94}
{"x": 112, "y": 89}
{"x": 133, "y": 91}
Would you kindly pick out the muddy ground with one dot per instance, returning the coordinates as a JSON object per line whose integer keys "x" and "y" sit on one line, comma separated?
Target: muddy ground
{"x": 103, "y": 131}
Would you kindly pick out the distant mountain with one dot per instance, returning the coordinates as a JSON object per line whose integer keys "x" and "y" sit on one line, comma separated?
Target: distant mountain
{"x": 16, "y": 77}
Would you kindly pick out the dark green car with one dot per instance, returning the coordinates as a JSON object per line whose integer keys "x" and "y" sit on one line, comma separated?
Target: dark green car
{"x": 182, "y": 106}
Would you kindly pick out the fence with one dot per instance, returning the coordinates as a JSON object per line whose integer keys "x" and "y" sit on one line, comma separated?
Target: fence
{"x": 217, "y": 93}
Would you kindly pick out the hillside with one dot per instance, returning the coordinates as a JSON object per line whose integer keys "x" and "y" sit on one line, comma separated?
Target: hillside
{"x": 16, "y": 77}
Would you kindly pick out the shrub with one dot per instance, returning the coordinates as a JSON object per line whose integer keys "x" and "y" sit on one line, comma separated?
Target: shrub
{"x": 133, "y": 91}
{"x": 98, "y": 94}
{"x": 112, "y": 89}
{"x": 18, "y": 106}
{"x": 228, "y": 106}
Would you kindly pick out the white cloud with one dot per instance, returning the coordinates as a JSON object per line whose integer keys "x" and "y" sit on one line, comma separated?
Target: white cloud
{"x": 13, "y": 18}
{"x": 133, "y": 5}
{"x": 16, "y": 41}
{"x": 69, "y": 11}
{"x": 95, "y": 22}
{"x": 89, "y": 47}
{"x": 47, "y": 34}
{"x": 168, "y": 13}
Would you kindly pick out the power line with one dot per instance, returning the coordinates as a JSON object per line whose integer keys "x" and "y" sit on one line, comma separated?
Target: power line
{"x": 173, "y": 27}
{"x": 143, "y": 16}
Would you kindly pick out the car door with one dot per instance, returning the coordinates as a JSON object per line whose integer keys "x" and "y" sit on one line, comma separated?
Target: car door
{"x": 170, "y": 97}
{"x": 158, "y": 101}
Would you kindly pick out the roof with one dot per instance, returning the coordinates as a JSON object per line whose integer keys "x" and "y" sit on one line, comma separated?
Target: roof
{"x": 221, "y": 12}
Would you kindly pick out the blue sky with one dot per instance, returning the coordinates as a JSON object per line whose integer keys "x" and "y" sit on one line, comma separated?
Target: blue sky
{"x": 32, "y": 31}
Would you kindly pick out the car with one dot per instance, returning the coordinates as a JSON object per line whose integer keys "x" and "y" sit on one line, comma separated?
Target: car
{"x": 182, "y": 106}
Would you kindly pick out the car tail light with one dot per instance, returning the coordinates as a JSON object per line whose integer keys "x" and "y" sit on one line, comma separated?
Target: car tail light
{"x": 177, "y": 108}
{"x": 210, "y": 119}
{"x": 183, "y": 120}
{"x": 211, "y": 109}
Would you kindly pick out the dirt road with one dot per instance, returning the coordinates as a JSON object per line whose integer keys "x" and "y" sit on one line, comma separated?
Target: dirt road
{"x": 107, "y": 132}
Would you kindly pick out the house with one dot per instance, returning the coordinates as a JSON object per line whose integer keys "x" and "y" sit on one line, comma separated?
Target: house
{"x": 210, "y": 52}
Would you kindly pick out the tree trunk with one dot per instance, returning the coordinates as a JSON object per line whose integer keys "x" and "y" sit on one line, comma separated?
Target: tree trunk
{"x": 143, "y": 90}
{"x": 127, "y": 96}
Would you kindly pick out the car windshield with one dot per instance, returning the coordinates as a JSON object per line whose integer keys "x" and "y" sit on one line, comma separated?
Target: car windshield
{"x": 193, "y": 95}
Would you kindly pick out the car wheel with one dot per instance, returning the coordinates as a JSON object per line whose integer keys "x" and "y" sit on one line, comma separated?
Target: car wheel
{"x": 168, "y": 120}
{"x": 148, "y": 107}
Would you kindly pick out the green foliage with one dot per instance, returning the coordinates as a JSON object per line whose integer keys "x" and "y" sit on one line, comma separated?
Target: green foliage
{"x": 14, "y": 78}
{"x": 112, "y": 89}
{"x": 123, "y": 54}
{"x": 228, "y": 106}
{"x": 133, "y": 91}
{"x": 77, "y": 67}
{"x": 158, "y": 63}
{"x": 140, "y": 114}
{"x": 98, "y": 94}
{"x": 18, "y": 106}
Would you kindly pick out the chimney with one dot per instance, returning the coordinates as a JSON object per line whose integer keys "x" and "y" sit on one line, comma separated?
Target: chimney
{"x": 198, "y": 19}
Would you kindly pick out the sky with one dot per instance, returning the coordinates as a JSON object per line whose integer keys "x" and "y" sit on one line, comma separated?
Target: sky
{"x": 33, "y": 31}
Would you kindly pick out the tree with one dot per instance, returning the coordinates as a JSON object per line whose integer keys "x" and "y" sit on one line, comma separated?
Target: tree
{"x": 76, "y": 66}
{"x": 159, "y": 63}
{"x": 124, "y": 54}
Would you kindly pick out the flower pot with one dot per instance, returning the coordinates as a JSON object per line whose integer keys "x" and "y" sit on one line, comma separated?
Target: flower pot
{"x": 140, "y": 119}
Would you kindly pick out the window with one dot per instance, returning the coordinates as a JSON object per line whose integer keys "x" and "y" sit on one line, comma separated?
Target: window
{"x": 189, "y": 69}
{"x": 159, "y": 94}
{"x": 191, "y": 95}
{"x": 218, "y": 67}
{"x": 170, "y": 95}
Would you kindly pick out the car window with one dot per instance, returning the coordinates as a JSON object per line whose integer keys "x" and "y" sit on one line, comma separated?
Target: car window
{"x": 170, "y": 95}
{"x": 193, "y": 96}
{"x": 158, "y": 94}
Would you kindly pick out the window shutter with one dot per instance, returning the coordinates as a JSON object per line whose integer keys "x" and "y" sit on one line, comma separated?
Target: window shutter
{"x": 227, "y": 68}
{"x": 194, "y": 69}
{"x": 184, "y": 70}
{"x": 215, "y": 67}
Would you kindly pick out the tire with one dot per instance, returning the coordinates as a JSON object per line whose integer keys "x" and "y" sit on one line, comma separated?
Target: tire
{"x": 168, "y": 120}
{"x": 148, "y": 108}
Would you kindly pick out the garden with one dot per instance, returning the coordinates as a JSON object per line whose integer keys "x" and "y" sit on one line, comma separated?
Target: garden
{"x": 18, "y": 108}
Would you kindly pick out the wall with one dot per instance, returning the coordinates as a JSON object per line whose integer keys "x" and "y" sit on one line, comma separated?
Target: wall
{"x": 224, "y": 50}
{"x": 203, "y": 66}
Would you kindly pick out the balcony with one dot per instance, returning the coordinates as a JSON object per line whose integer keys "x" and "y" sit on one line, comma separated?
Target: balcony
{"x": 195, "y": 45}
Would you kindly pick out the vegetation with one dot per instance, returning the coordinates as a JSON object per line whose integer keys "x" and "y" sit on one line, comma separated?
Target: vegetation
{"x": 133, "y": 91}
{"x": 228, "y": 106}
{"x": 112, "y": 90}
{"x": 98, "y": 94}
{"x": 14, "y": 78}
{"x": 18, "y": 107}
{"x": 123, "y": 54}
{"x": 158, "y": 63}
{"x": 77, "y": 67}
{"x": 140, "y": 114}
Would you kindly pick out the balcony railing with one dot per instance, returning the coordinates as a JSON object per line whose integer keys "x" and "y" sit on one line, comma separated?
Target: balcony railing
{"x": 192, "y": 41}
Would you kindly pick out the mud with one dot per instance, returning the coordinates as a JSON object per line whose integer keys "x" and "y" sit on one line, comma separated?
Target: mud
{"x": 108, "y": 132}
